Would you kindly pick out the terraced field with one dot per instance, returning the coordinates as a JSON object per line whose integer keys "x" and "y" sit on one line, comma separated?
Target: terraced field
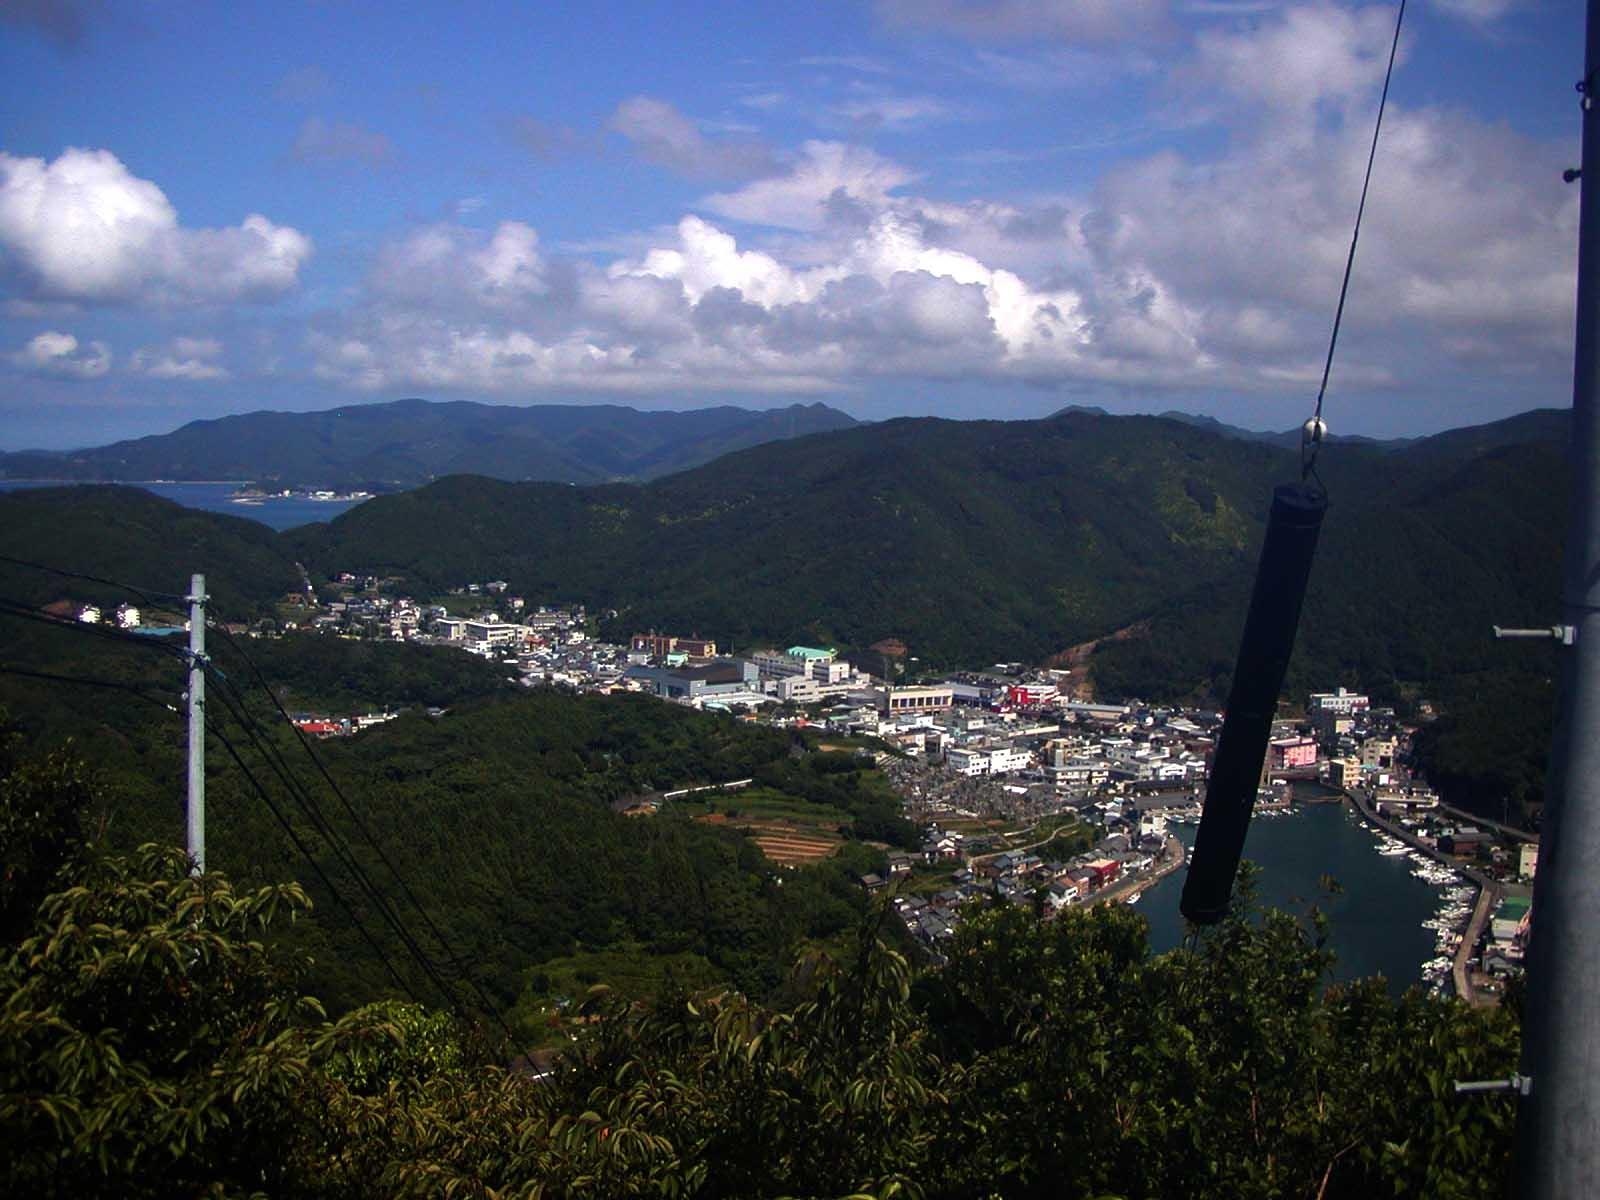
{"x": 791, "y": 845}
{"x": 789, "y": 831}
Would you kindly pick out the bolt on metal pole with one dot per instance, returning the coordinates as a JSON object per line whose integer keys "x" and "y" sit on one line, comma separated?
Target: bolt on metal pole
{"x": 196, "y": 810}
{"x": 1558, "y": 1121}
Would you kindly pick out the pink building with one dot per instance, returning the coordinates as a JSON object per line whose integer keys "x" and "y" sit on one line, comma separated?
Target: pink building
{"x": 1289, "y": 753}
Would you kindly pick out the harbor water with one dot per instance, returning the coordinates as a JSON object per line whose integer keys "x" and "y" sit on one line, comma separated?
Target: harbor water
{"x": 275, "y": 512}
{"x": 1376, "y": 919}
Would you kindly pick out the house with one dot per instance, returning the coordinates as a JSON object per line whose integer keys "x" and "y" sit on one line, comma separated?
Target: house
{"x": 1059, "y": 895}
{"x": 899, "y": 863}
{"x": 1104, "y": 871}
{"x": 872, "y": 882}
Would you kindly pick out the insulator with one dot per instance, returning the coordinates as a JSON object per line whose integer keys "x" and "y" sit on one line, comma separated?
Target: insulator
{"x": 1269, "y": 629}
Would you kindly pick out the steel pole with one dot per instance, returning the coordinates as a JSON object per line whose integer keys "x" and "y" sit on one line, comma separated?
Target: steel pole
{"x": 1558, "y": 1122}
{"x": 196, "y": 809}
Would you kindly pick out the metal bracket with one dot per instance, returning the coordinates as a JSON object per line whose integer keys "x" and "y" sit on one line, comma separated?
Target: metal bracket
{"x": 1522, "y": 1085}
{"x": 1567, "y": 635}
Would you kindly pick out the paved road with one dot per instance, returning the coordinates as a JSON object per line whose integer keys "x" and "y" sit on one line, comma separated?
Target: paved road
{"x": 1488, "y": 897}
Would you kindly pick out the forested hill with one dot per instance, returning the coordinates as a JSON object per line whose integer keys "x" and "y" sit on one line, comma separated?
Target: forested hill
{"x": 128, "y": 535}
{"x": 975, "y": 541}
{"x": 970, "y": 541}
{"x": 410, "y": 442}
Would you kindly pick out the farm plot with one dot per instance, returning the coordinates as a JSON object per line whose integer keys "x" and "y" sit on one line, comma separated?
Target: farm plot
{"x": 788, "y": 830}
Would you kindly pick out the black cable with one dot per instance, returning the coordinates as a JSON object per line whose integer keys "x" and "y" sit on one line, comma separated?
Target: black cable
{"x": 313, "y": 812}
{"x": 450, "y": 954}
{"x": 131, "y": 689}
{"x": 145, "y": 594}
{"x": 1307, "y": 465}
{"x": 288, "y": 827}
{"x": 28, "y": 612}
{"x": 319, "y": 823}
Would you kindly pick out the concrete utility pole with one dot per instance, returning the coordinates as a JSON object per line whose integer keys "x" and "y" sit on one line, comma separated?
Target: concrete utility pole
{"x": 196, "y": 817}
{"x": 1558, "y": 1121}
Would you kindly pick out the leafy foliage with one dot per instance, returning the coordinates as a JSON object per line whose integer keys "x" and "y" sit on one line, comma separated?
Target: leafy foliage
{"x": 151, "y": 1044}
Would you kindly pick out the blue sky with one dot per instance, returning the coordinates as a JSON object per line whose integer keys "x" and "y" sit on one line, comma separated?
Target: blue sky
{"x": 953, "y": 207}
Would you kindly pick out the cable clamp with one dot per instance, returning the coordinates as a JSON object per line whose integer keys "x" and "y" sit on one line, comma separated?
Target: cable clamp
{"x": 1522, "y": 1085}
{"x": 1565, "y": 635}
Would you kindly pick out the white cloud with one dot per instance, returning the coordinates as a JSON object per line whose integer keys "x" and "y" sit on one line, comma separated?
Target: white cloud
{"x": 83, "y": 228}
{"x": 59, "y": 354}
{"x": 826, "y": 175}
{"x": 1298, "y": 61}
{"x": 451, "y": 266}
{"x": 667, "y": 138}
{"x": 1170, "y": 272}
{"x": 187, "y": 358}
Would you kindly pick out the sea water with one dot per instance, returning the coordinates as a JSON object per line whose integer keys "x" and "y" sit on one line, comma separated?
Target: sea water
{"x": 276, "y": 512}
{"x": 1375, "y": 919}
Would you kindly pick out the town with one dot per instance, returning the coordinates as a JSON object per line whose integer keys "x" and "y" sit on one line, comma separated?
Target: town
{"x": 1027, "y": 791}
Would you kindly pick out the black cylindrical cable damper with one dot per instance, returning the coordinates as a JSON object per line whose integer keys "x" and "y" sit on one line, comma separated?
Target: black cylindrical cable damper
{"x": 1269, "y": 629}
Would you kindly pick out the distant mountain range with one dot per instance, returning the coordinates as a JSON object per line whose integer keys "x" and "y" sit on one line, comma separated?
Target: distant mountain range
{"x": 411, "y": 442}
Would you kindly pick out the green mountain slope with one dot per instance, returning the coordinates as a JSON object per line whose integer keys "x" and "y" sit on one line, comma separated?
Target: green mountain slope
{"x": 127, "y": 534}
{"x": 409, "y": 442}
{"x": 973, "y": 541}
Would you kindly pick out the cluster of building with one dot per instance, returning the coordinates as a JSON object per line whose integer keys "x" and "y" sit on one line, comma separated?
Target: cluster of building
{"x": 321, "y": 725}
{"x": 1130, "y": 850}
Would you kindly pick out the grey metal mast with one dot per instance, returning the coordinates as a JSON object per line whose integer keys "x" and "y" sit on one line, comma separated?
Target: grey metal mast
{"x": 1558, "y": 1120}
{"x": 196, "y": 811}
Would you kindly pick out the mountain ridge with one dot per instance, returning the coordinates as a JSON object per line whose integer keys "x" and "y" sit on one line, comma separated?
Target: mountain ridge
{"x": 408, "y": 442}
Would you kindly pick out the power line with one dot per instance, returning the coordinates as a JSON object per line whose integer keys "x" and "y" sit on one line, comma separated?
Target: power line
{"x": 313, "y": 812}
{"x": 238, "y": 708}
{"x": 148, "y": 595}
{"x": 288, "y": 827}
{"x": 27, "y": 612}
{"x": 1314, "y": 428}
{"x": 450, "y": 954}
{"x": 319, "y": 822}
{"x": 87, "y": 681}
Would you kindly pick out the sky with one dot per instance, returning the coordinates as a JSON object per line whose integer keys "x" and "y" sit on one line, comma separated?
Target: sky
{"x": 958, "y": 208}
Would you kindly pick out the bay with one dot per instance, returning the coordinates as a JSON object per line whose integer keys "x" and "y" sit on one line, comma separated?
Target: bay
{"x": 1374, "y": 921}
{"x": 275, "y": 512}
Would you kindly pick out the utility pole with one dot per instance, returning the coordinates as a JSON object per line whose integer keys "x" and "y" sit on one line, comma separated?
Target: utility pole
{"x": 196, "y": 813}
{"x": 1558, "y": 1120}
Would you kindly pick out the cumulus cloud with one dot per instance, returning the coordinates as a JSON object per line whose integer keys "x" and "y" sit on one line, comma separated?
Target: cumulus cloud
{"x": 83, "y": 228}
{"x": 1297, "y": 63}
{"x": 826, "y": 177}
{"x": 1068, "y": 20}
{"x": 337, "y": 143}
{"x": 454, "y": 267}
{"x": 186, "y": 358}
{"x": 666, "y": 137}
{"x": 60, "y": 355}
{"x": 1169, "y": 272}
